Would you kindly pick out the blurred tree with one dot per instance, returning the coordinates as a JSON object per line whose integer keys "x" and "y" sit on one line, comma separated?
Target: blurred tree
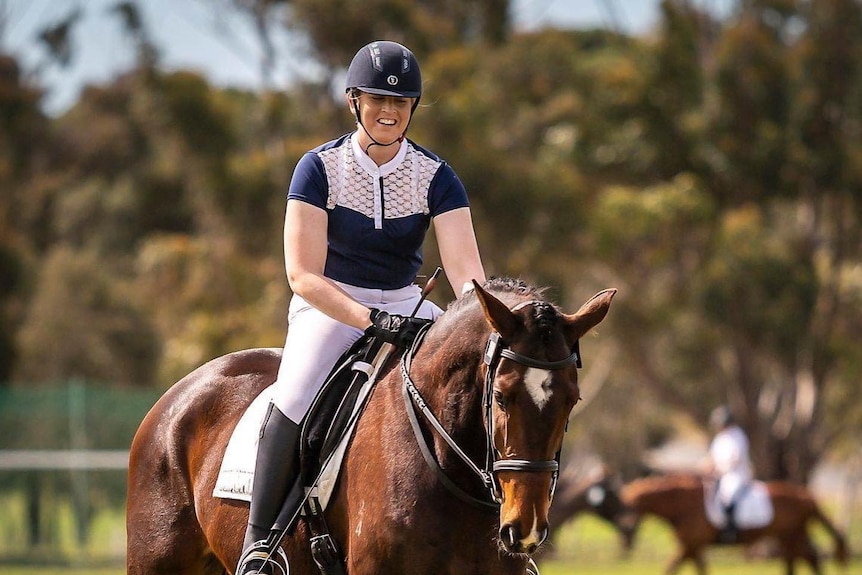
{"x": 57, "y": 38}
{"x": 741, "y": 304}
{"x": 23, "y": 132}
{"x": 424, "y": 27}
{"x": 133, "y": 23}
{"x": 81, "y": 324}
{"x": 509, "y": 121}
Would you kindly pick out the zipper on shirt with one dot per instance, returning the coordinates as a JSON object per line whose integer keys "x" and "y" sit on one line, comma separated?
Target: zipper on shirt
{"x": 378, "y": 216}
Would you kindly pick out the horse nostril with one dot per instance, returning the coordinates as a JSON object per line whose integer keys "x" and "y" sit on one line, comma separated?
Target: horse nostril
{"x": 509, "y": 537}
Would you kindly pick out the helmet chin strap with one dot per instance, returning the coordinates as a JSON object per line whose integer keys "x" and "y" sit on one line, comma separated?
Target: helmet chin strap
{"x": 373, "y": 141}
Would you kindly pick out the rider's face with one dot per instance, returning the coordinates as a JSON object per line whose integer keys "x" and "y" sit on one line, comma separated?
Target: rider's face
{"x": 385, "y": 117}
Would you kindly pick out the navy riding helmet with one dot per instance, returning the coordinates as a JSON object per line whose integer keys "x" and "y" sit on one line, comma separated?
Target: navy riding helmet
{"x": 386, "y": 69}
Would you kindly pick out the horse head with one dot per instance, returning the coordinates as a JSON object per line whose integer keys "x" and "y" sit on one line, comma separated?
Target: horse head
{"x": 531, "y": 383}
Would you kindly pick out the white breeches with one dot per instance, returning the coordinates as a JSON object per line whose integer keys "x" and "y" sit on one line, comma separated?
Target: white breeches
{"x": 730, "y": 484}
{"x": 315, "y": 342}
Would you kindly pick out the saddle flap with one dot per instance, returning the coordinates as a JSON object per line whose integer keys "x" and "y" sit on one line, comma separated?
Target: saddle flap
{"x": 752, "y": 508}
{"x": 332, "y": 409}
{"x": 334, "y": 403}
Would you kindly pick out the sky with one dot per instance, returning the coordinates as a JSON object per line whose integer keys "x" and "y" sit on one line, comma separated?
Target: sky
{"x": 192, "y": 35}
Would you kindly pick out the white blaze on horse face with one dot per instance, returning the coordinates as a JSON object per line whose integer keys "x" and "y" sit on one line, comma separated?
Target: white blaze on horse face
{"x": 537, "y": 382}
{"x": 533, "y": 537}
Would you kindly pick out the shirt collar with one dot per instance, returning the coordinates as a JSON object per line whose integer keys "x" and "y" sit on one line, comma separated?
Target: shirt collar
{"x": 368, "y": 164}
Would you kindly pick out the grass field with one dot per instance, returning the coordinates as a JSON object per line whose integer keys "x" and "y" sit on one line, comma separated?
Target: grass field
{"x": 586, "y": 546}
{"x": 555, "y": 567}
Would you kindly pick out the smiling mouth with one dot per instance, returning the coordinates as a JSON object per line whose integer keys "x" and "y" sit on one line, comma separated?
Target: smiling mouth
{"x": 387, "y": 122}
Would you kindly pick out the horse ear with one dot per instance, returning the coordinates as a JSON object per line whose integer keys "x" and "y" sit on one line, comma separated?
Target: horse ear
{"x": 501, "y": 318}
{"x": 589, "y": 316}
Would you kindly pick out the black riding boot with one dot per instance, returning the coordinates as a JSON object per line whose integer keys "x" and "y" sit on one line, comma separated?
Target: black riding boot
{"x": 275, "y": 472}
{"x": 730, "y": 533}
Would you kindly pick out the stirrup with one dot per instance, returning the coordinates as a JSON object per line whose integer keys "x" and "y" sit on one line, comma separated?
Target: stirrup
{"x": 258, "y": 559}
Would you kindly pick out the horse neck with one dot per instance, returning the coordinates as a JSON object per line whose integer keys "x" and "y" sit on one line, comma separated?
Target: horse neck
{"x": 662, "y": 498}
{"x": 447, "y": 371}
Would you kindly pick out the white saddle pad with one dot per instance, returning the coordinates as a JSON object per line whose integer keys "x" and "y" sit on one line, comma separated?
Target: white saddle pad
{"x": 236, "y": 475}
{"x": 753, "y": 509}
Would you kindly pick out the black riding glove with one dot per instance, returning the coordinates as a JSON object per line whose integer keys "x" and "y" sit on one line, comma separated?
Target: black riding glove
{"x": 396, "y": 329}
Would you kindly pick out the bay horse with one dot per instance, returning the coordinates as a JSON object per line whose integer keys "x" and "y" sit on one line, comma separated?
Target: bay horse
{"x": 599, "y": 494}
{"x": 678, "y": 499}
{"x": 498, "y": 373}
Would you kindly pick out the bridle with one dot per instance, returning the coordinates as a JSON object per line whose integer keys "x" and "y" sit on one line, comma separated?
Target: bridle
{"x": 495, "y": 349}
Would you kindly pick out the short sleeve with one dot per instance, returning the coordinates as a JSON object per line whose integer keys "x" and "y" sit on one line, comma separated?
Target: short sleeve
{"x": 309, "y": 183}
{"x": 447, "y": 192}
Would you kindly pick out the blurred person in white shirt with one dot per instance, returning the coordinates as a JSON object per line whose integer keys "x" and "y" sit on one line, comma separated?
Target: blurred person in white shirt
{"x": 729, "y": 462}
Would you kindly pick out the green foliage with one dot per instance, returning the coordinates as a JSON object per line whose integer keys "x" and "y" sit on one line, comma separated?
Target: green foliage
{"x": 425, "y": 27}
{"x": 82, "y": 324}
{"x": 204, "y": 276}
{"x": 759, "y": 286}
{"x": 645, "y": 225}
{"x": 190, "y": 108}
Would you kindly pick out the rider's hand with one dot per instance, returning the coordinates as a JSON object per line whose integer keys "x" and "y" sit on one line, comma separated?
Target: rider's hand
{"x": 393, "y": 328}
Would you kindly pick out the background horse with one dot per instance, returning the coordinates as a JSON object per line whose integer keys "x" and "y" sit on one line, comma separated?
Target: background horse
{"x": 679, "y": 500}
{"x": 391, "y": 512}
{"x": 599, "y": 494}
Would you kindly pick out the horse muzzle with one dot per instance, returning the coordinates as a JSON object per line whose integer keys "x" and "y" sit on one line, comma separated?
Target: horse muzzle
{"x": 524, "y": 514}
{"x": 516, "y": 542}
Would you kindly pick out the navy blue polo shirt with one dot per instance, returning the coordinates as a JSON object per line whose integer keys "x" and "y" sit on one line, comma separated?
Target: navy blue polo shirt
{"x": 378, "y": 216}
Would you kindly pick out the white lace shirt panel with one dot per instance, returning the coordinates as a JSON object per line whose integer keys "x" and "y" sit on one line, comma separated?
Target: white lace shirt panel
{"x": 355, "y": 182}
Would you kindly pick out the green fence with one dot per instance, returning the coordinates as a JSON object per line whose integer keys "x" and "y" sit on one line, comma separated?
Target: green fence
{"x": 63, "y": 454}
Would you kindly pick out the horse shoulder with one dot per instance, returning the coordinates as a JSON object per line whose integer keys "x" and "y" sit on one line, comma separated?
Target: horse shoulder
{"x": 174, "y": 459}
{"x": 212, "y": 396}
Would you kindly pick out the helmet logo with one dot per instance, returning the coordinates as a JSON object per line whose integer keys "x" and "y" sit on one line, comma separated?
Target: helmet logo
{"x": 392, "y": 80}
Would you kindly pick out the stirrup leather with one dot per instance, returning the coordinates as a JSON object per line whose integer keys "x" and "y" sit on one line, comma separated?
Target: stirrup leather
{"x": 272, "y": 563}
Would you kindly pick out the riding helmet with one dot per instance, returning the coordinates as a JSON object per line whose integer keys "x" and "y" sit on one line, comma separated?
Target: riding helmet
{"x": 386, "y": 69}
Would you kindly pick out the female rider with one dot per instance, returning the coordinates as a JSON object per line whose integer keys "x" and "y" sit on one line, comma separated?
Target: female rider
{"x": 358, "y": 209}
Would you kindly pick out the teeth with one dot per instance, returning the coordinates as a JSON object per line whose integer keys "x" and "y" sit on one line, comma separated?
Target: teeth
{"x": 387, "y": 122}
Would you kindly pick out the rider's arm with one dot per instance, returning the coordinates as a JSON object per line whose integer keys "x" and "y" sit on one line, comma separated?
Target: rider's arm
{"x": 459, "y": 252}
{"x": 305, "y": 245}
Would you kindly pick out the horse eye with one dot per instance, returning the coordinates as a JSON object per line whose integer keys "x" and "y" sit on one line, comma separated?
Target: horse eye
{"x": 499, "y": 399}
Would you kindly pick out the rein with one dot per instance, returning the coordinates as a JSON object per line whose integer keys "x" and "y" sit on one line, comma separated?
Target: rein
{"x": 413, "y": 400}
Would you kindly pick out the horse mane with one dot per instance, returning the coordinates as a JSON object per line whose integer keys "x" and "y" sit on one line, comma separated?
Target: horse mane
{"x": 503, "y": 288}
{"x": 512, "y": 291}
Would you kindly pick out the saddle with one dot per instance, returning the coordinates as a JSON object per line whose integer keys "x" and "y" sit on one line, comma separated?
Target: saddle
{"x": 329, "y": 424}
{"x": 325, "y": 432}
{"x": 337, "y": 406}
{"x": 751, "y": 509}
{"x": 320, "y": 428}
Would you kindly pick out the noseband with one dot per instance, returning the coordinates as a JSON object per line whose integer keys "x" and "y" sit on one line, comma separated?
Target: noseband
{"x": 494, "y": 463}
